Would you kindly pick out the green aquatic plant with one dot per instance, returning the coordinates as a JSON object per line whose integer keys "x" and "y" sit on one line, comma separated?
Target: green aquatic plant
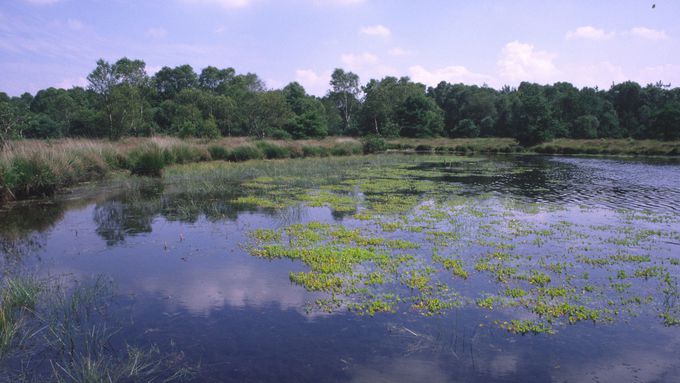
{"x": 524, "y": 327}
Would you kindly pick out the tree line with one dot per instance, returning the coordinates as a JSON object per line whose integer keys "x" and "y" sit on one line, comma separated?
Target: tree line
{"x": 121, "y": 100}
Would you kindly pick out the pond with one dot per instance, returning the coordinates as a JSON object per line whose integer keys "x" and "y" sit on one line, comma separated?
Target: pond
{"x": 394, "y": 268}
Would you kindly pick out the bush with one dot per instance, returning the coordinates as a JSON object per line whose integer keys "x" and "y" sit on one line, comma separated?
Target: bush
{"x": 423, "y": 148}
{"x": 345, "y": 149}
{"x": 30, "y": 176}
{"x": 148, "y": 161}
{"x": 272, "y": 150}
{"x": 373, "y": 144}
{"x": 218, "y": 152}
{"x": 314, "y": 151}
{"x": 245, "y": 153}
{"x": 93, "y": 166}
{"x": 184, "y": 154}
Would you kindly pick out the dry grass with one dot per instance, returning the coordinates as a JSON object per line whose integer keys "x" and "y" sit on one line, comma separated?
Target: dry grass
{"x": 609, "y": 146}
{"x": 40, "y": 167}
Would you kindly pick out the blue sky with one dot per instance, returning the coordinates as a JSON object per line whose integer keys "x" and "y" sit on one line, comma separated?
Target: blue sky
{"x": 47, "y": 43}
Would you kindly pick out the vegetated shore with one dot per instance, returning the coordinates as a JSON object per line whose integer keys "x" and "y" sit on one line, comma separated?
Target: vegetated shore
{"x": 30, "y": 168}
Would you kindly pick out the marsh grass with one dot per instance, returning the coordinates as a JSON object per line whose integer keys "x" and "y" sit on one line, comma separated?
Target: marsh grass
{"x": 55, "y": 330}
{"x": 31, "y": 168}
{"x": 18, "y": 298}
{"x": 610, "y": 147}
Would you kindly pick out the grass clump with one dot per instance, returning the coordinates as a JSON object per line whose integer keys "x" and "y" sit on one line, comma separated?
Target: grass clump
{"x": 245, "y": 153}
{"x": 18, "y": 297}
{"x": 218, "y": 152}
{"x": 149, "y": 161}
{"x": 273, "y": 151}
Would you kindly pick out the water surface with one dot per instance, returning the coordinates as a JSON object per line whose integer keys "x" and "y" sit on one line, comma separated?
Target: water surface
{"x": 186, "y": 263}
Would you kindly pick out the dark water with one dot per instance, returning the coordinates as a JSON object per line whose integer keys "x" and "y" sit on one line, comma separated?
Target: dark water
{"x": 184, "y": 280}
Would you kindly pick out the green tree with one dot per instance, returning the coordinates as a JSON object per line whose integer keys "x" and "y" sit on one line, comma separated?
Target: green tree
{"x": 345, "y": 92}
{"x": 419, "y": 116}
{"x": 170, "y": 81}
{"x": 585, "y": 126}
{"x": 466, "y": 128}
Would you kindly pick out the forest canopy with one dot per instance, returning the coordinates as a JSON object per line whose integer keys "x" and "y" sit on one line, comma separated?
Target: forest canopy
{"x": 123, "y": 100}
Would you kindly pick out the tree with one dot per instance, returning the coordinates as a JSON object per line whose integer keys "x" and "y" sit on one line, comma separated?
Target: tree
{"x": 11, "y": 120}
{"x": 666, "y": 123}
{"x": 345, "y": 91}
{"x": 170, "y": 81}
{"x": 533, "y": 122}
{"x": 121, "y": 88}
{"x": 309, "y": 115}
{"x": 419, "y": 116}
{"x": 215, "y": 79}
{"x": 586, "y": 126}
{"x": 466, "y": 128}
{"x": 265, "y": 113}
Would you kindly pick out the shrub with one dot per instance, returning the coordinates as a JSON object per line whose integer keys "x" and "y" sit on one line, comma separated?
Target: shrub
{"x": 272, "y": 150}
{"x": 30, "y": 176}
{"x": 93, "y": 166}
{"x": 423, "y": 148}
{"x": 373, "y": 144}
{"x": 218, "y": 152}
{"x": 245, "y": 153}
{"x": 345, "y": 149}
{"x": 314, "y": 151}
{"x": 148, "y": 161}
{"x": 184, "y": 154}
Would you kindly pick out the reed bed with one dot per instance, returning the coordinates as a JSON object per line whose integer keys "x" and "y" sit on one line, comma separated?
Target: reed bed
{"x": 37, "y": 168}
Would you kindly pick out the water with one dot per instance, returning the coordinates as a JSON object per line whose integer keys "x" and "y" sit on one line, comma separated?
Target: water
{"x": 185, "y": 279}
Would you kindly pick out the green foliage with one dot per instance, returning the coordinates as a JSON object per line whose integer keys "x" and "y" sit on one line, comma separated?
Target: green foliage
{"x": 244, "y": 153}
{"x": 465, "y": 128}
{"x": 28, "y": 176}
{"x": 148, "y": 161}
{"x": 315, "y": 151}
{"x": 586, "y": 127}
{"x": 346, "y": 149}
{"x": 218, "y": 152}
{"x": 373, "y": 144}
{"x": 271, "y": 150}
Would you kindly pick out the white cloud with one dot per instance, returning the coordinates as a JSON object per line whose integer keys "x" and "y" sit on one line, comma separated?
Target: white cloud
{"x": 42, "y": 2}
{"x": 601, "y": 74}
{"x": 69, "y": 83}
{"x": 152, "y": 69}
{"x": 357, "y": 60}
{"x": 521, "y": 62}
{"x": 156, "y": 33}
{"x": 314, "y": 83}
{"x": 399, "y": 52}
{"x": 376, "y": 30}
{"x": 589, "y": 33}
{"x": 228, "y": 4}
{"x": 453, "y": 74}
{"x": 648, "y": 33}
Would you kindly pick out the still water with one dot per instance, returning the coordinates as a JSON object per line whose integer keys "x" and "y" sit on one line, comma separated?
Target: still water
{"x": 585, "y": 249}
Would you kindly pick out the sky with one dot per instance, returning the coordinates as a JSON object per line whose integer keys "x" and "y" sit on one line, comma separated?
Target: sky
{"x": 56, "y": 43}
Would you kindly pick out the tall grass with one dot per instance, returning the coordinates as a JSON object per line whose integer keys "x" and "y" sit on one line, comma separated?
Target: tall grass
{"x": 52, "y": 330}
{"x": 610, "y": 147}
{"x": 17, "y": 295}
{"x": 36, "y": 168}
